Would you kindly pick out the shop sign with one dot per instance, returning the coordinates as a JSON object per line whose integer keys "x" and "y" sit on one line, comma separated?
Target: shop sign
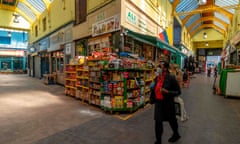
{"x": 184, "y": 51}
{"x": 106, "y": 26}
{"x": 100, "y": 16}
{"x": 131, "y": 17}
{"x": 68, "y": 49}
{"x": 139, "y": 22}
{"x": 43, "y": 45}
{"x": 12, "y": 53}
{"x": 32, "y": 49}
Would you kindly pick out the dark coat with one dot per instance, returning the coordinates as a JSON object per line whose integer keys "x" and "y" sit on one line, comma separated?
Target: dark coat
{"x": 165, "y": 109}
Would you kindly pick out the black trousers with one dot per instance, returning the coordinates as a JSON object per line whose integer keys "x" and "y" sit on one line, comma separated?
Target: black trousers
{"x": 159, "y": 128}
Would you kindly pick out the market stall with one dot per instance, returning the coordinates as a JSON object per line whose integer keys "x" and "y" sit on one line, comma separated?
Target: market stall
{"x": 229, "y": 82}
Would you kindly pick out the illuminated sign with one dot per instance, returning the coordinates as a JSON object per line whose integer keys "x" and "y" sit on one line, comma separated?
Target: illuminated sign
{"x": 12, "y": 53}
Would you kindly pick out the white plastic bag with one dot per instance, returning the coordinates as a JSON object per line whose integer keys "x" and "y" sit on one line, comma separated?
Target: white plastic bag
{"x": 181, "y": 113}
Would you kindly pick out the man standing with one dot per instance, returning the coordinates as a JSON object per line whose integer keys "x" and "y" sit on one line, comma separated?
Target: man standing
{"x": 165, "y": 89}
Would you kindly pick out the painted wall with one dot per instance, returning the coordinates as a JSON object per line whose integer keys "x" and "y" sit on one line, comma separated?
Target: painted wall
{"x": 6, "y": 21}
{"x": 96, "y": 13}
{"x": 211, "y": 35}
{"x": 186, "y": 38}
{"x": 17, "y": 40}
{"x": 60, "y": 12}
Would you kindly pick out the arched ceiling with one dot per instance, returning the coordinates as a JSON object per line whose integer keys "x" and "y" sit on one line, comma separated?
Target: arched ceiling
{"x": 215, "y": 14}
{"x": 28, "y": 9}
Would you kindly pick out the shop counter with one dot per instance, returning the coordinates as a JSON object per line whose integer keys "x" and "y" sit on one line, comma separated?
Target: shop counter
{"x": 230, "y": 82}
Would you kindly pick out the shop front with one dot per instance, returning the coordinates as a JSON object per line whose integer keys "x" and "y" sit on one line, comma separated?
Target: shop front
{"x": 13, "y": 61}
{"x": 44, "y": 56}
{"x": 60, "y": 43}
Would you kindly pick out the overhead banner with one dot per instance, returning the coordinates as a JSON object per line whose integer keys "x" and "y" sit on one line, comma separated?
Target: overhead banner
{"x": 106, "y": 26}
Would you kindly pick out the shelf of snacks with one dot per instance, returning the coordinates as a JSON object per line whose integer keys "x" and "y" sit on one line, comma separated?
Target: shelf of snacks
{"x": 121, "y": 89}
{"x": 149, "y": 75}
{"x": 82, "y": 82}
{"x": 70, "y": 79}
{"x": 94, "y": 81}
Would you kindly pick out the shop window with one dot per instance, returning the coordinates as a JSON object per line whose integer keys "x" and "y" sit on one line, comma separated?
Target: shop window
{"x": 57, "y": 61}
{"x": 6, "y": 65}
{"x": 5, "y": 40}
{"x": 81, "y": 11}
{"x": 18, "y": 64}
{"x": 99, "y": 44}
{"x": 81, "y": 48}
{"x": 44, "y": 24}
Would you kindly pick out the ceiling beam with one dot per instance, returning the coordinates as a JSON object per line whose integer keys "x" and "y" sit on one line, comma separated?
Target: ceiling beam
{"x": 210, "y": 18}
{"x": 209, "y": 9}
{"x": 47, "y": 3}
{"x": 174, "y": 6}
{"x": 16, "y": 2}
{"x": 203, "y": 10}
{"x": 207, "y": 26}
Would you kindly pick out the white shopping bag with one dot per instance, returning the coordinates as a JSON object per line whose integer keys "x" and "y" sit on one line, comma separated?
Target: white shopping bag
{"x": 181, "y": 113}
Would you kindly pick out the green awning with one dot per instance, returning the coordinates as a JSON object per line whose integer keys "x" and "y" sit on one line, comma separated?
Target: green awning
{"x": 163, "y": 45}
{"x": 151, "y": 40}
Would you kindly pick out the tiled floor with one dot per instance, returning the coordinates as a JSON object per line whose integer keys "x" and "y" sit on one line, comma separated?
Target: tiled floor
{"x": 32, "y": 112}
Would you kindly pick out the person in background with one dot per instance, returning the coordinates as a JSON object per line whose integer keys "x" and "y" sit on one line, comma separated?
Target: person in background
{"x": 215, "y": 71}
{"x": 165, "y": 88}
{"x": 185, "y": 75}
{"x": 209, "y": 71}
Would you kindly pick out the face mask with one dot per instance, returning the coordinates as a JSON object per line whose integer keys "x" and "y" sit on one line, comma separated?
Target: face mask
{"x": 158, "y": 72}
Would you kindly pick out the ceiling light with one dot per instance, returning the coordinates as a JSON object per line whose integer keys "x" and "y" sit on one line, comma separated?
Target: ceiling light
{"x": 206, "y": 44}
{"x": 16, "y": 18}
{"x": 204, "y": 35}
{"x": 202, "y": 2}
{"x": 9, "y": 34}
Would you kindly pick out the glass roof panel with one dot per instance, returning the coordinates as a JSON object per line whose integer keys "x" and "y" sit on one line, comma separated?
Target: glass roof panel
{"x": 219, "y": 25}
{"x": 193, "y": 19}
{"x": 224, "y": 3}
{"x": 37, "y": 4}
{"x": 184, "y": 6}
{"x": 222, "y": 17}
{"x": 195, "y": 27}
{"x": 29, "y": 13}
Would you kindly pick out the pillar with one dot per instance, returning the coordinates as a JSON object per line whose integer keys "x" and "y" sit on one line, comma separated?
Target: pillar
{"x": 12, "y": 68}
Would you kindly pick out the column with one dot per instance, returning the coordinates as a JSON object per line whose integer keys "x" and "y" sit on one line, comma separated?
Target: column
{"x": 24, "y": 63}
{"x": 12, "y": 68}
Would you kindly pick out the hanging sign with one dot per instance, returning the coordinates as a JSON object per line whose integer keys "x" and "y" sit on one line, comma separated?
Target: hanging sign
{"x": 68, "y": 49}
{"x": 106, "y": 26}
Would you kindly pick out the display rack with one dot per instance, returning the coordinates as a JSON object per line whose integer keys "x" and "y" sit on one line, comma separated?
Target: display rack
{"x": 148, "y": 79}
{"x": 122, "y": 89}
{"x": 82, "y": 83}
{"x": 70, "y": 79}
{"x": 94, "y": 82}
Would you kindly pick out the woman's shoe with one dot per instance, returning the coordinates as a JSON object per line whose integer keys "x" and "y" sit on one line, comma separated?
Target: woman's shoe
{"x": 174, "y": 138}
